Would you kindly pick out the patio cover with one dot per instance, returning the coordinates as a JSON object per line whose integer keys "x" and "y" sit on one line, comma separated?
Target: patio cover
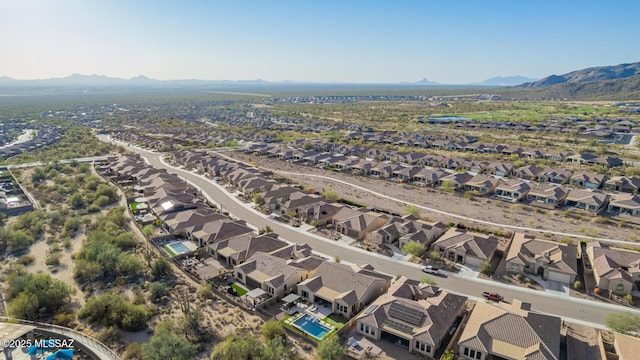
{"x": 291, "y": 298}
{"x": 256, "y": 293}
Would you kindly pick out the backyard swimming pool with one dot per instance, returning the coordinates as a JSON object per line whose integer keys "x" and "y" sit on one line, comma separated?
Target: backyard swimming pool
{"x": 312, "y": 326}
{"x": 178, "y": 248}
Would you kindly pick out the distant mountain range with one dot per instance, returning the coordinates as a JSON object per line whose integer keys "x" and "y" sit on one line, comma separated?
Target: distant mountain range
{"x": 141, "y": 80}
{"x": 102, "y": 80}
{"x": 589, "y": 74}
{"x": 505, "y": 81}
{"x": 620, "y": 82}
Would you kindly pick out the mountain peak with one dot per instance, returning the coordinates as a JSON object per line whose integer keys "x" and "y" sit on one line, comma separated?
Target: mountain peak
{"x": 588, "y": 74}
{"x": 426, "y": 81}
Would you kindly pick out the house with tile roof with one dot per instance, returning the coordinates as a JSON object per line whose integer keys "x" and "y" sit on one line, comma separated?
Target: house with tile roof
{"x": 455, "y": 181}
{"x": 627, "y": 346}
{"x": 415, "y": 316}
{"x": 625, "y": 204}
{"x": 509, "y": 331}
{"x": 407, "y": 227}
{"x": 238, "y": 249}
{"x": 500, "y": 169}
{"x": 512, "y": 190}
{"x": 615, "y": 270}
{"x": 589, "y": 200}
{"x": 587, "y": 179}
{"x": 275, "y": 275}
{"x": 481, "y": 184}
{"x": 551, "y": 260}
{"x": 217, "y": 230}
{"x": 466, "y": 247}
{"x": 528, "y": 172}
{"x": 346, "y": 288}
{"x": 625, "y": 184}
{"x": 547, "y": 195}
{"x": 358, "y": 223}
{"x": 556, "y": 176}
{"x": 428, "y": 177}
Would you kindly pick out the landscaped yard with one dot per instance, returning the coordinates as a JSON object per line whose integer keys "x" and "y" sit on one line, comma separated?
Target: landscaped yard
{"x": 168, "y": 249}
{"x": 133, "y": 206}
{"x": 335, "y": 320}
{"x": 239, "y": 289}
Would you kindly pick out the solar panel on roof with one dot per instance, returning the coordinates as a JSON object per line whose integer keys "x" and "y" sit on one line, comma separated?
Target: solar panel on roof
{"x": 405, "y": 313}
{"x": 371, "y": 309}
{"x": 398, "y": 326}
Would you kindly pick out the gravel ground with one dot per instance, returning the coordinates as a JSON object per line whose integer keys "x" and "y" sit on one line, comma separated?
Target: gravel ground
{"x": 481, "y": 208}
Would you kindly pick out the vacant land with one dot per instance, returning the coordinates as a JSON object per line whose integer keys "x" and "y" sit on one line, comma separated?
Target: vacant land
{"x": 480, "y": 208}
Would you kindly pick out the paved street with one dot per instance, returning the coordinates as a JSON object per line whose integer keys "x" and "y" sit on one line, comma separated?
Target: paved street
{"x": 572, "y": 309}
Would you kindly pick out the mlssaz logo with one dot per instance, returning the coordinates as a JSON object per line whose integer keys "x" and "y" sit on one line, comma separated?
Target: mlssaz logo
{"x": 54, "y": 343}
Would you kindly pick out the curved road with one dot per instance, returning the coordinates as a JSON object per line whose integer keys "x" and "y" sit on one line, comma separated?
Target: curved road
{"x": 573, "y": 309}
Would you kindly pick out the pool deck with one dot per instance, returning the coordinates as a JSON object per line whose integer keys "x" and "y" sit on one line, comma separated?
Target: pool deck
{"x": 291, "y": 320}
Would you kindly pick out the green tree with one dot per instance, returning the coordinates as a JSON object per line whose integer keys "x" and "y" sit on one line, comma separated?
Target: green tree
{"x": 76, "y": 201}
{"x": 161, "y": 269}
{"x": 273, "y": 329}
{"x": 330, "y": 195}
{"x": 448, "y": 355}
{"x": 33, "y": 295}
{"x": 157, "y": 290}
{"x": 165, "y": 345}
{"x": 108, "y": 191}
{"x": 330, "y": 349}
{"x": 113, "y": 310}
{"x": 148, "y": 230}
{"x": 413, "y": 210}
{"x": 19, "y": 240}
{"x": 133, "y": 351}
{"x": 234, "y": 347}
{"x": 129, "y": 265}
{"x": 414, "y": 248}
{"x": 205, "y": 291}
{"x": 38, "y": 175}
{"x": 435, "y": 255}
{"x": 577, "y": 285}
{"x": 258, "y": 199}
{"x": 625, "y": 323}
{"x": 485, "y": 268}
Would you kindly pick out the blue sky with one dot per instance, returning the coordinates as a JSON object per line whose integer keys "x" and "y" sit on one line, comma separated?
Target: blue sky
{"x": 450, "y": 42}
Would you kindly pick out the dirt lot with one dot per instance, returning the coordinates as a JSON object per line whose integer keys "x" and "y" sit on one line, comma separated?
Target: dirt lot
{"x": 481, "y": 208}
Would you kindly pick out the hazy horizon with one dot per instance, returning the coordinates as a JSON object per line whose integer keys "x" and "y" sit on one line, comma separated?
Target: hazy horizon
{"x": 328, "y": 42}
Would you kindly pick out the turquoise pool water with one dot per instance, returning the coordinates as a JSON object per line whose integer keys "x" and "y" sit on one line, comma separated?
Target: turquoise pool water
{"x": 178, "y": 248}
{"x": 311, "y": 325}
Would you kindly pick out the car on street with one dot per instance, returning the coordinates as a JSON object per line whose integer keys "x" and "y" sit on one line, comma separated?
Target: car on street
{"x": 430, "y": 270}
{"x": 492, "y": 296}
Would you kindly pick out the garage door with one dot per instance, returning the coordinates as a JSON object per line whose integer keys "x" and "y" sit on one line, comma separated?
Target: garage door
{"x": 473, "y": 261}
{"x": 563, "y": 278}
